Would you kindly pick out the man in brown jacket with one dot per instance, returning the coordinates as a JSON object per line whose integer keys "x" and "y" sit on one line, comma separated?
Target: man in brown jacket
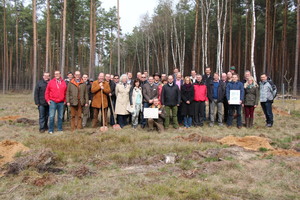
{"x": 100, "y": 90}
{"x": 77, "y": 97}
{"x": 158, "y": 124}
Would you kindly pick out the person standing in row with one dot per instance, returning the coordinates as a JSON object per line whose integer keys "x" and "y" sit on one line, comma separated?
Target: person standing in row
{"x": 136, "y": 100}
{"x": 171, "y": 100}
{"x": 39, "y": 99}
{"x": 187, "y": 105}
{"x": 77, "y": 98}
{"x": 251, "y": 100}
{"x": 200, "y": 99}
{"x": 216, "y": 93}
{"x": 55, "y": 96}
{"x": 86, "y": 109}
{"x": 112, "y": 87}
{"x": 67, "y": 109}
{"x": 122, "y": 102}
{"x": 235, "y": 84}
{"x": 100, "y": 90}
{"x": 267, "y": 96}
{"x": 149, "y": 93}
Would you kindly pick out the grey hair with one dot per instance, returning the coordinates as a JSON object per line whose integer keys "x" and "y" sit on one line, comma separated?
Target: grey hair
{"x": 122, "y": 76}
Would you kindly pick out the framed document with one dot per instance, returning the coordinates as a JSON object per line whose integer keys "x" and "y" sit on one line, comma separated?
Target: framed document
{"x": 151, "y": 113}
{"x": 235, "y": 97}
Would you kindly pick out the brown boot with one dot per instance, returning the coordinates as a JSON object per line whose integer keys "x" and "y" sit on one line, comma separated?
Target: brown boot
{"x": 250, "y": 122}
{"x": 247, "y": 122}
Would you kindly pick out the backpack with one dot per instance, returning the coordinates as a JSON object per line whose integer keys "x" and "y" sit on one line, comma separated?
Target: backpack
{"x": 274, "y": 88}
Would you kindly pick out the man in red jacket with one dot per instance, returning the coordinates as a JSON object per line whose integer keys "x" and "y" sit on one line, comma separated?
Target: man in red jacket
{"x": 200, "y": 100}
{"x": 55, "y": 96}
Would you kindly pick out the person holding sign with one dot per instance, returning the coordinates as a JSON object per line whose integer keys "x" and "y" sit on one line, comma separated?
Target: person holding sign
{"x": 157, "y": 123}
{"x": 170, "y": 98}
{"x": 235, "y": 96}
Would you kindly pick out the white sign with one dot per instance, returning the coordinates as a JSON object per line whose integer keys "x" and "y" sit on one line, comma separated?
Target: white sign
{"x": 235, "y": 97}
{"x": 151, "y": 113}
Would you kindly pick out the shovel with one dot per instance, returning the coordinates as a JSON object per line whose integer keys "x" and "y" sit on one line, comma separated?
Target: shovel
{"x": 103, "y": 128}
{"x": 115, "y": 126}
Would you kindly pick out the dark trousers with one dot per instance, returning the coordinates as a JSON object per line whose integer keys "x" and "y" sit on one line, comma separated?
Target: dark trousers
{"x": 225, "y": 103}
{"x": 122, "y": 120}
{"x": 267, "y": 108}
{"x": 249, "y": 112}
{"x": 179, "y": 115}
{"x": 199, "y": 113}
{"x": 112, "y": 117}
{"x": 231, "y": 109}
{"x": 145, "y": 105}
{"x": 43, "y": 117}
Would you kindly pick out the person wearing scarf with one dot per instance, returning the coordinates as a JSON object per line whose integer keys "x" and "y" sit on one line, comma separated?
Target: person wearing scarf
{"x": 187, "y": 105}
{"x": 250, "y": 100}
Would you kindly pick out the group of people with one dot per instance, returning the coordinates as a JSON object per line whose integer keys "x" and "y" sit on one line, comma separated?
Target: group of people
{"x": 179, "y": 100}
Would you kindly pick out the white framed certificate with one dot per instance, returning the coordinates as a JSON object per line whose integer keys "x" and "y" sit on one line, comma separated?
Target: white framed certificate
{"x": 235, "y": 97}
{"x": 151, "y": 113}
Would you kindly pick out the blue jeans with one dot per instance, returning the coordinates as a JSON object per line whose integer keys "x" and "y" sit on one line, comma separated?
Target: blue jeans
{"x": 144, "y": 121}
{"x": 267, "y": 108}
{"x": 60, "y": 111}
{"x": 231, "y": 109}
{"x": 187, "y": 121}
{"x": 43, "y": 117}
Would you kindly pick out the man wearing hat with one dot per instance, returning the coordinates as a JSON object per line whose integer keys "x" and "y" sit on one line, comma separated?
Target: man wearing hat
{"x": 232, "y": 69}
{"x": 156, "y": 77}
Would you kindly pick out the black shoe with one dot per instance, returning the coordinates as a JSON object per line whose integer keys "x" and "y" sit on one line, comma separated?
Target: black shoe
{"x": 269, "y": 125}
{"x": 42, "y": 131}
{"x": 143, "y": 126}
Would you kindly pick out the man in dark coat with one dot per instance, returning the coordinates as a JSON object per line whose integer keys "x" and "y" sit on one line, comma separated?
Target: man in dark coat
{"x": 216, "y": 94}
{"x": 111, "y": 98}
{"x": 170, "y": 98}
{"x": 207, "y": 78}
{"x": 86, "y": 109}
{"x": 39, "y": 99}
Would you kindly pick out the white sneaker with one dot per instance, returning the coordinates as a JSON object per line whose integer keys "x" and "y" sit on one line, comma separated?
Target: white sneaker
{"x": 51, "y": 133}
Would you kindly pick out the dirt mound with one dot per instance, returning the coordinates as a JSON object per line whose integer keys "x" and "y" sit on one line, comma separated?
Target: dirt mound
{"x": 196, "y": 138}
{"x": 40, "y": 180}
{"x": 248, "y": 142}
{"x": 26, "y": 121}
{"x": 280, "y": 112}
{"x": 42, "y": 160}
{"x": 284, "y": 152}
{"x": 82, "y": 171}
{"x": 10, "y": 118}
{"x": 8, "y": 150}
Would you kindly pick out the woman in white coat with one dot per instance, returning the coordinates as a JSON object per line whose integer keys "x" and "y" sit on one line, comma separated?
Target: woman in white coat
{"x": 122, "y": 101}
{"x": 136, "y": 102}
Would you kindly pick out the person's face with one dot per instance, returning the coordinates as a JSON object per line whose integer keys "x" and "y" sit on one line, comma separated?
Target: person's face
{"x": 146, "y": 74}
{"x": 107, "y": 77}
{"x": 229, "y": 75}
{"x": 178, "y": 76}
{"x": 216, "y": 77}
{"x": 70, "y": 76}
{"x": 263, "y": 78}
{"x": 224, "y": 77}
{"x": 235, "y": 78}
{"x": 46, "y": 76}
{"x": 116, "y": 79}
{"x": 247, "y": 75}
{"x": 176, "y": 71}
{"x": 57, "y": 75}
{"x": 85, "y": 78}
{"x": 143, "y": 77}
{"x": 151, "y": 80}
{"x": 199, "y": 78}
{"x": 112, "y": 77}
{"x": 124, "y": 79}
{"x": 129, "y": 75}
{"x": 170, "y": 79}
{"x": 232, "y": 71}
{"x": 156, "y": 78}
{"x": 207, "y": 71}
{"x": 77, "y": 75}
{"x": 165, "y": 82}
{"x": 138, "y": 75}
{"x": 101, "y": 77}
{"x": 193, "y": 73}
{"x": 155, "y": 102}
{"x": 187, "y": 81}
{"x": 250, "y": 81}
{"x": 137, "y": 84}
{"x": 163, "y": 76}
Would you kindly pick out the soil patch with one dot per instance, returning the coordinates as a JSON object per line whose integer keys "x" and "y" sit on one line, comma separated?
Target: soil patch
{"x": 253, "y": 143}
{"x": 284, "y": 152}
{"x": 8, "y": 150}
{"x": 280, "y": 112}
{"x": 10, "y": 118}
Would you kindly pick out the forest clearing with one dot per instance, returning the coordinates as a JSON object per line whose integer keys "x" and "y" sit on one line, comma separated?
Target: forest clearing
{"x": 129, "y": 164}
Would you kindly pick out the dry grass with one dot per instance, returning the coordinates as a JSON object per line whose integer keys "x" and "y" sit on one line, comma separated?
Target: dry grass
{"x": 129, "y": 164}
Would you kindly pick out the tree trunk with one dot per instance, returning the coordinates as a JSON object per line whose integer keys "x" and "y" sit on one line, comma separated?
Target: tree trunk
{"x": 194, "y": 53}
{"x": 48, "y": 37}
{"x": 295, "y": 87}
{"x": 92, "y": 42}
{"x": 119, "y": 51}
{"x": 63, "y": 49}
{"x": 34, "y": 18}
{"x": 253, "y": 32}
{"x": 4, "y": 49}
